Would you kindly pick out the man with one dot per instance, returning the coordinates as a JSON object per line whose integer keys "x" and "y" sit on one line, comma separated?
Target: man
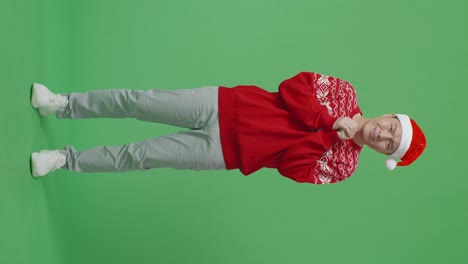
{"x": 311, "y": 130}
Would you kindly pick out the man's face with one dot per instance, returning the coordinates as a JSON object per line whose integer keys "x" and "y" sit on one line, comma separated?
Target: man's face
{"x": 383, "y": 134}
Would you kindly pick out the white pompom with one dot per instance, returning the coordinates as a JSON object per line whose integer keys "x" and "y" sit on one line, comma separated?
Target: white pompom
{"x": 391, "y": 164}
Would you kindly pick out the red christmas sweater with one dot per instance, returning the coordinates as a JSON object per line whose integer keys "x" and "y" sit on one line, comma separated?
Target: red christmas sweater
{"x": 290, "y": 130}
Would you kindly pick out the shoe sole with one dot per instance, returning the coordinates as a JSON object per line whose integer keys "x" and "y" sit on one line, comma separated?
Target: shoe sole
{"x": 30, "y": 165}
{"x": 33, "y": 164}
{"x": 33, "y": 96}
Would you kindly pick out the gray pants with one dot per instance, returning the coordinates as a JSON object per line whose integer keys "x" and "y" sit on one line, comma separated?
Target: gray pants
{"x": 197, "y": 148}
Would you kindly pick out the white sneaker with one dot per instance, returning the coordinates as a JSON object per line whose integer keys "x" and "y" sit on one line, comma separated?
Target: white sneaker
{"x": 46, "y": 161}
{"x": 46, "y": 101}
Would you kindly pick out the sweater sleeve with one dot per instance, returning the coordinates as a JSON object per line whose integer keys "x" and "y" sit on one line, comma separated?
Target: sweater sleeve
{"x": 306, "y": 161}
{"x": 299, "y": 94}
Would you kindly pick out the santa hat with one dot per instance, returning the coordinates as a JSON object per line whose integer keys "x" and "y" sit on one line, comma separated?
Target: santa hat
{"x": 412, "y": 143}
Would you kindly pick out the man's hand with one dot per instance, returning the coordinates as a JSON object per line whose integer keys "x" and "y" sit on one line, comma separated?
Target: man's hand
{"x": 346, "y": 127}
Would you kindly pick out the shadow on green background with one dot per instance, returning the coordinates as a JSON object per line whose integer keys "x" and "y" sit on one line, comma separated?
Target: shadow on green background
{"x": 401, "y": 56}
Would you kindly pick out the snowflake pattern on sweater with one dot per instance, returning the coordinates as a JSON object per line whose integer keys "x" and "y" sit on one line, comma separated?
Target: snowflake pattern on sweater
{"x": 341, "y": 160}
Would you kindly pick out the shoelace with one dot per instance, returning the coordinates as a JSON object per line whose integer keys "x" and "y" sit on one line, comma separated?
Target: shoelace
{"x": 60, "y": 160}
{"x": 59, "y": 100}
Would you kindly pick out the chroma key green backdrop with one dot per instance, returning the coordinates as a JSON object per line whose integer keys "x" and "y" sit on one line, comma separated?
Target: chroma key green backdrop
{"x": 401, "y": 56}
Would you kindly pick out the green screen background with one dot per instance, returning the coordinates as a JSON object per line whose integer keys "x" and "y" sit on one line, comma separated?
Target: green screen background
{"x": 401, "y": 56}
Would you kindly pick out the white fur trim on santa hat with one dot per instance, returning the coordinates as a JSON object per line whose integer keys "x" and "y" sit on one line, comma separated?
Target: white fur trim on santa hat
{"x": 406, "y": 136}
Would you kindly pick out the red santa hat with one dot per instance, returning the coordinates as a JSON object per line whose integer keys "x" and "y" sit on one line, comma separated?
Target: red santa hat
{"x": 412, "y": 143}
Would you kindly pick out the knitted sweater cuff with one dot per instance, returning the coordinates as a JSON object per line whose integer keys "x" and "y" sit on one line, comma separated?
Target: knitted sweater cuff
{"x": 326, "y": 121}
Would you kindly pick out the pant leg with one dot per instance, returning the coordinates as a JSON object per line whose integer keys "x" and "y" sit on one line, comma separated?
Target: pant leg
{"x": 188, "y": 108}
{"x": 195, "y": 150}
